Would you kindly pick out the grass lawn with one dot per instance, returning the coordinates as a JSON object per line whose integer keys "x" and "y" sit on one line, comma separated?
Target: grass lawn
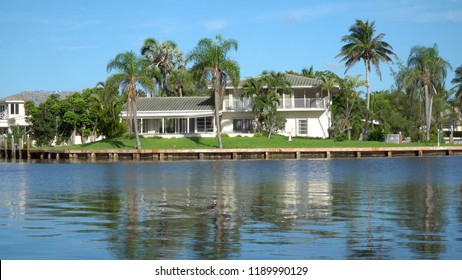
{"x": 276, "y": 141}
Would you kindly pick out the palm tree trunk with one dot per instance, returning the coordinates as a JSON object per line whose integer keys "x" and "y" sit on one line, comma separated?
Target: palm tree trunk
{"x": 217, "y": 117}
{"x": 428, "y": 111}
{"x": 135, "y": 123}
{"x": 363, "y": 136}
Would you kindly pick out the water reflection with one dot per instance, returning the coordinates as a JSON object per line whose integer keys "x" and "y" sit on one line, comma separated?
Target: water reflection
{"x": 314, "y": 209}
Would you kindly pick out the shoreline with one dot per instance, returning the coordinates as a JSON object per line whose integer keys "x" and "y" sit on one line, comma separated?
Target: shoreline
{"x": 229, "y": 154}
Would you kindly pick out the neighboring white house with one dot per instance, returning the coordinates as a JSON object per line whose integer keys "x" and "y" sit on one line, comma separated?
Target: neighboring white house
{"x": 305, "y": 111}
{"x": 12, "y": 111}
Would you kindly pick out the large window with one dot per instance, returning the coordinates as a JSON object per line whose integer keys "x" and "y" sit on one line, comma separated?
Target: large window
{"x": 14, "y": 108}
{"x": 303, "y": 127}
{"x": 204, "y": 124}
{"x": 242, "y": 125}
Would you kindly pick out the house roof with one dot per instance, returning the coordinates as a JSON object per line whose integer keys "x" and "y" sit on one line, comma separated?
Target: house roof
{"x": 300, "y": 81}
{"x": 294, "y": 80}
{"x": 36, "y": 96}
{"x": 168, "y": 104}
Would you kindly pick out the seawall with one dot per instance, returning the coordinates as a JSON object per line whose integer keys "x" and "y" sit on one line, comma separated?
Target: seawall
{"x": 229, "y": 154}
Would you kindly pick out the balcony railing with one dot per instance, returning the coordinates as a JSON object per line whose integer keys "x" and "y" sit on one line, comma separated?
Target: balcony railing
{"x": 302, "y": 103}
{"x": 286, "y": 104}
{"x": 238, "y": 105}
{"x": 3, "y": 115}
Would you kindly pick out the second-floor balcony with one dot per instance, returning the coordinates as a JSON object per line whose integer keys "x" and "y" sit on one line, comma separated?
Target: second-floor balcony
{"x": 288, "y": 103}
{"x": 302, "y": 103}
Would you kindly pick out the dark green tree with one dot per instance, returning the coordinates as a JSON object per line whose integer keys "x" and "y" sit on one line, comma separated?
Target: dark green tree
{"x": 108, "y": 104}
{"x": 44, "y": 119}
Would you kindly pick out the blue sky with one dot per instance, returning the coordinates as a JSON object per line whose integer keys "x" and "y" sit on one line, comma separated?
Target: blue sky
{"x": 66, "y": 45}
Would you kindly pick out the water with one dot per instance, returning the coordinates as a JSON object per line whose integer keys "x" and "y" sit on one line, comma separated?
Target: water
{"x": 385, "y": 208}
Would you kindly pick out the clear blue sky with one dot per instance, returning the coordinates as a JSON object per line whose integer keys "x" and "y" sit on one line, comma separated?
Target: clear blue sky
{"x": 66, "y": 45}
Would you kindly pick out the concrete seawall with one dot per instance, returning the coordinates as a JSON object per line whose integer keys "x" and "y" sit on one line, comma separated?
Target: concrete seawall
{"x": 229, "y": 154}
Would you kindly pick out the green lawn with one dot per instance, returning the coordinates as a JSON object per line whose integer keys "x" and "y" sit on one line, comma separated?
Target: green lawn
{"x": 276, "y": 141}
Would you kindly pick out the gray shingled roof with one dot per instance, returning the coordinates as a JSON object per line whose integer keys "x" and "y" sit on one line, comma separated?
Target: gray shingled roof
{"x": 164, "y": 104}
{"x": 294, "y": 80}
{"x": 300, "y": 81}
{"x": 36, "y": 96}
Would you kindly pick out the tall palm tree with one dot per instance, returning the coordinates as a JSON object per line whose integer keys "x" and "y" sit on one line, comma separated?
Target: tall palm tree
{"x": 132, "y": 71}
{"x": 362, "y": 45}
{"x": 164, "y": 55}
{"x": 428, "y": 71}
{"x": 211, "y": 61}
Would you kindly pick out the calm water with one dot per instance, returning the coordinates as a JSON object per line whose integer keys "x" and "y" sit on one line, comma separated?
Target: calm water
{"x": 399, "y": 208}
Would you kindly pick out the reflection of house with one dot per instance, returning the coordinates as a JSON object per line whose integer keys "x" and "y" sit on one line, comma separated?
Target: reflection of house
{"x": 12, "y": 112}
{"x": 305, "y": 110}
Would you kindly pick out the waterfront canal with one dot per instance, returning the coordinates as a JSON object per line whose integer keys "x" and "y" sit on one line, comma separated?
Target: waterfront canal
{"x": 370, "y": 208}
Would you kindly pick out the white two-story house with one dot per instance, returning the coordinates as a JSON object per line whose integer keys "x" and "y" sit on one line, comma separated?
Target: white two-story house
{"x": 12, "y": 111}
{"x": 305, "y": 110}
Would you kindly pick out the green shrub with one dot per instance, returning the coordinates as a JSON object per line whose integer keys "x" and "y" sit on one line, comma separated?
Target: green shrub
{"x": 418, "y": 136}
{"x": 341, "y": 136}
{"x": 376, "y": 134}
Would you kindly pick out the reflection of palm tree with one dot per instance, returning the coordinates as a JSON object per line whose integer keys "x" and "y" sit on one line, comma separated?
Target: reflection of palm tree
{"x": 426, "y": 209}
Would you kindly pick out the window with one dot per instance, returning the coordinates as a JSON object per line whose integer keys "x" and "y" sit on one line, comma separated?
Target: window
{"x": 14, "y": 108}
{"x": 303, "y": 127}
{"x": 145, "y": 126}
{"x": 204, "y": 124}
{"x": 243, "y": 125}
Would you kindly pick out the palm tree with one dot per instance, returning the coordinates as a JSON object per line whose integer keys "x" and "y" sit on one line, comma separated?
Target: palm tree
{"x": 362, "y": 45}
{"x": 211, "y": 61}
{"x": 428, "y": 71}
{"x": 266, "y": 91}
{"x": 329, "y": 82}
{"x": 180, "y": 82}
{"x": 164, "y": 55}
{"x": 458, "y": 81}
{"x": 348, "y": 87}
{"x": 251, "y": 88}
{"x": 108, "y": 105}
{"x": 309, "y": 73}
{"x": 132, "y": 71}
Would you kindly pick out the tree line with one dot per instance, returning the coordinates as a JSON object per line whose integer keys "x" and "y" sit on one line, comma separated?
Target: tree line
{"x": 416, "y": 105}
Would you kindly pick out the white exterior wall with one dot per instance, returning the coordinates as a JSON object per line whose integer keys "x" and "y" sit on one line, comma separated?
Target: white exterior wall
{"x": 317, "y": 122}
{"x": 228, "y": 117}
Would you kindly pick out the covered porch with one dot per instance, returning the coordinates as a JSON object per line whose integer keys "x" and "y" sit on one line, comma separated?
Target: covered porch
{"x": 175, "y": 116}
{"x": 179, "y": 126}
